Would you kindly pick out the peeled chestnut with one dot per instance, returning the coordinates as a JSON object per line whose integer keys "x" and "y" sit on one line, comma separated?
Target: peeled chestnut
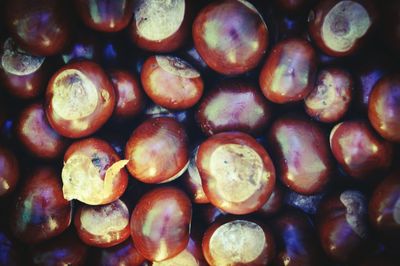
{"x": 160, "y": 223}
{"x": 236, "y": 172}
{"x": 9, "y": 171}
{"x": 230, "y": 36}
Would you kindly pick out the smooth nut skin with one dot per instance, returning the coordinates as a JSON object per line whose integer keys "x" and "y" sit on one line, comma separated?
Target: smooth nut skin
{"x": 230, "y": 36}
{"x": 80, "y": 99}
{"x": 359, "y": 150}
{"x": 122, "y": 254}
{"x": 105, "y": 15}
{"x": 233, "y": 106}
{"x": 40, "y": 211}
{"x": 289, "y": 72}
{"x": 384, "y": 107}
{"x": 171, "y": 82}
{"x": 236, "y": 172}
{"x": 41, "y": 27}
{"x": 160, "y": 223}
{"x": 238, "y": 242}
{"x": 10, "y": 251}
{"x": 340, "y": 27}
{"x": 302, "y": 154}
{"x": 157, "y": 150}
{"x": 36, "y": 134}
{"x": 9, "y": 171}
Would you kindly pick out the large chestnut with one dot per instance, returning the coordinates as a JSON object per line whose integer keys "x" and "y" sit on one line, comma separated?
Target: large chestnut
{"x": 9, "y": 171}
{"x": 160, "y": 223}
{"x": 231, "y": 36}
{"x": 236, "y": 172}
{"x": 40, "y": 211}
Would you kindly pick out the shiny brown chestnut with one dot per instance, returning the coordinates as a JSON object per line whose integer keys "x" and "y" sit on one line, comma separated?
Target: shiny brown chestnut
{"x": 36, "y": 134}
{"x": 302, "y": 154}
{"x": 160, "y": 223}
{"x": 384, "y": 107}
{"x": 359, "y": 150}
{"x": 105, "y": 15}
{"x": 342, "y": 222}
{"x": 65, "y": 249}
{"x": 289, "y": 72}
{"x": 23, "y": 75}
{"x": 129, "y": 95}
{"x": 330, "y": 99}
{"x": 103, "y": 226}
{"x": 238, "y": 242}
{"x": 230, "y": 36}
{"x": 233, "y": 106}
{"x": 157, "y": 150}
{"x": 80, "y": 99}
{"x": 40, "y": 211}
{"x": 41, "y": 27}
{"x": 236, "y": 172}
{"x": 9, "y": 171}
{"x": 339, "y": 27}
{"x": 122, "y": 254}
{"x": 93, "y": 173}
{"x": 160, "y": 26}
{"x": 171, "y": 82}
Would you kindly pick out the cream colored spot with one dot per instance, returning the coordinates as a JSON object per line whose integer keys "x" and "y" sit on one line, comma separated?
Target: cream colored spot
{"x": 4, "y": 184}
{"x": 177, "y": 66}
{"x": 324, "y": 95}
{"x": 356, "y": 211}
{"x": 185, "y": 258}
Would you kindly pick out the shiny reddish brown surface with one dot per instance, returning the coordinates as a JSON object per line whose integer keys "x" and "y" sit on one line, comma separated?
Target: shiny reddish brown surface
{"x": 302, "y": 154}
{"x": 330, "y": 99}
{"x": 160, "y": 223}
{"x": 160, "y": 26}
{"x": 40, "y": 211}
{"x": 103, "y": 226}
{"x": 129, "y": 94}
{"x": 80, "y": 99}
{"x": 339, "y": 28}
{"x": 122, "y": 254}
{"x": 342, "y": 222}
{"x": 359, "y": 150}
{"x": 65, "y": 249}
{"x": 42, "y": 27}
{"x": 36, "y": 134}
{"x": 105, "y": 15}
{"x": 238, "y": 242}
{"x": 289, "y": 71}
{"x": 384, "y": 107}
{"x": 93, "y": 173}
{"x": 296, "y": 239}
{"x": 236, "y": 172}
{"x": 9, "y": 171}
{"x": 230, "y": 36}
{"x": 23, "y": 75}
{"x": 157, "y": 150}
{"x": 233, "y": 106}
{"x": 171, "y": 82}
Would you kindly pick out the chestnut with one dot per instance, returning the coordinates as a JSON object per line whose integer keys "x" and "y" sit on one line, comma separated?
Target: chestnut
{"x": 79, "y": 99}
{"x": 36, "y": 134}
{"x": 330, "y": 99}
{"x": 339, "y": 27}
{"x": 289, "y": 71}
{"x": 238, "y": 242}
{"x": 160, "y": 26}
{"x": 121, "y": 254}
{"x": 302, "y": 154}
{"x": 157, "y": 150}
{"x": 384, "y": 107}
{"x": 160, "y": 223}
{"x": 233, "y": 106}
{"x": 171, "y": 82}
{"x": 93, "y": 172}
{"x": 105, "y": 15}
{"x": 103, "y": 226}
{"x": 9, "y": 171}
{"x": 359, "y": 150}
{"x": 230, "y": 36}
{"x": 236, "y": 172}
{"x": 41, "y": 27}
{"x": 40, "y": 211}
